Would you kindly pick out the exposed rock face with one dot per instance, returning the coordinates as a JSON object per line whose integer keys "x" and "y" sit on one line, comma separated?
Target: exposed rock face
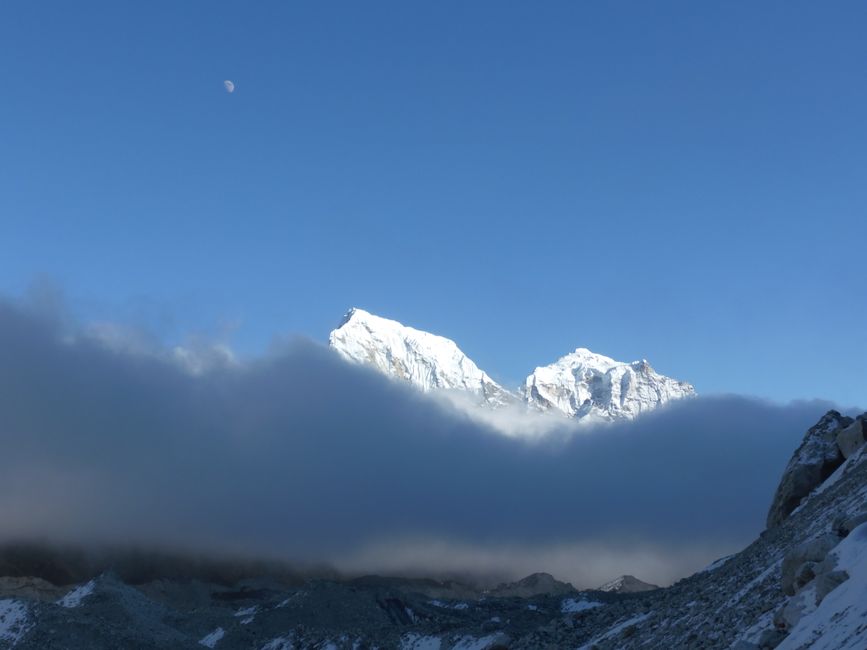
{"x": 627, "y": 585}
{"x": 813, "y": 462}
{"x": 584, "y": 384}
{"x": 851, "y": 438}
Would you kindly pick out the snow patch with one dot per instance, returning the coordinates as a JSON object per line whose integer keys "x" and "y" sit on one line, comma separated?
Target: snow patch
{"x": 591, "y": 386}
{"x": 616, "y": 630}
{"x": 211, "y": 640}
{"x": 279, "y": 643}
{"x": 75, "y": 597}
{"x": 248, "y": 613}
{"x": 14, "y": 621}
{"x": 444, "y": 605}
{"x": 716, "y": 564}
{"x": 572, "y": 605}
{"x": 476, "y": 643}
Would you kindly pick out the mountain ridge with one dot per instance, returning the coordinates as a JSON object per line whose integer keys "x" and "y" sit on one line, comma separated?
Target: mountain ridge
{"x": 580, "y": 385}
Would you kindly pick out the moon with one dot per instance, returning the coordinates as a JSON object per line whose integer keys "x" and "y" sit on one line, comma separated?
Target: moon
{"x": 230, "y": 87}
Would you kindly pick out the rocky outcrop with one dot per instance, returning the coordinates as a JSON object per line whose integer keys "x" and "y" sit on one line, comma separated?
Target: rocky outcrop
{"x": 813, "y": 462}
{"x": 851, "y": 438}
{"x": 846, "y": 524}
{"x": 799, "y": 564}
{"x": 809, "y": 574}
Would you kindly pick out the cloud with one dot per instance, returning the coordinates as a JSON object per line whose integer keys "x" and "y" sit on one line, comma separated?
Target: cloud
{"x": 304, "y": 457}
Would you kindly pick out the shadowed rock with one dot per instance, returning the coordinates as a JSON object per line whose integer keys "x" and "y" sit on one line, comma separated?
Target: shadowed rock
{"x": 813, "y": 462}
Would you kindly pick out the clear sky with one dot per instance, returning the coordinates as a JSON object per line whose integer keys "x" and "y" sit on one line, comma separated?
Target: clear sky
{"x": 685, "y": 182}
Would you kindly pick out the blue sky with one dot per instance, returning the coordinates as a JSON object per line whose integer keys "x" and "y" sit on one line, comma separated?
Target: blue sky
{"x": 678, "y": 181}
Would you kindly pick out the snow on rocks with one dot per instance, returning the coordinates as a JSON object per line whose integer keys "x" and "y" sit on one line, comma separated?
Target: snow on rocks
{"x": 839, "y": 622}
{"x": 616, "y": 631}
{"x": 573, "y": 605}
{"x": 414, "y": 641}
{"x": 716, "y": 564}
{"x": 247, "y": 614}
{"x": 584, "y": 384}
{"x": 803, "y": 557}
{"x": 280, "y": 643}
{"x": 480, "y": 643}
{"x": 627, "y": 584}
{"x": 75, "y": 597}
{"x": 14, "y": 621}
{"x": 211, "y": 640}
{"x": 444, "y": 605}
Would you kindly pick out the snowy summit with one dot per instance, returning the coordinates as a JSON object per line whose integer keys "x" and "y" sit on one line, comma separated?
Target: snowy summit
{"x": 585, "y": 384}
{"x": 426, "y": 361}
{"x": 580, "y": 385}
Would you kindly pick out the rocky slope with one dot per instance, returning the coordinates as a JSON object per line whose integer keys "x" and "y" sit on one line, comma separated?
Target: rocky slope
{"x": 801, "y": 584}
{"x": 580, "y": 385}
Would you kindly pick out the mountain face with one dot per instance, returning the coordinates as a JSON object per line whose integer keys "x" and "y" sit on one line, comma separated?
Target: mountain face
{"x": 426, "y": 361}
{"x": 580, "y": 385}
{"x": 585, "y": 384}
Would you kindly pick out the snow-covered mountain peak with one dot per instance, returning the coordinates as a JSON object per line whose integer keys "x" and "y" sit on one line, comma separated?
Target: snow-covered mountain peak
{"x": 425, "y": 360}
{"x": 585, "y": 357}
{"x": 584, "y": 384}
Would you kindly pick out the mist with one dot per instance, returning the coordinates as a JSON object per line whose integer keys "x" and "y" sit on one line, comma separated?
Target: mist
{"x": 302, "y": 457}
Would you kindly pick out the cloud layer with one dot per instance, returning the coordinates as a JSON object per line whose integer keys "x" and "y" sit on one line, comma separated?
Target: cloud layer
{"x": 304, "y": 457}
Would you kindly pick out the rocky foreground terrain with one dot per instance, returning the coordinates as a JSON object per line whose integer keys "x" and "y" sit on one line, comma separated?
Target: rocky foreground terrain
{"x": 801, "y": 584}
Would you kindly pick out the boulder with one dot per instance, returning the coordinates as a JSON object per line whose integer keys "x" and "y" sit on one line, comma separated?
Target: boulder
{"x": 852, "y": 438}
{"x": 813, "y": 462}
{"x": 771, "y": 638}
{"x": 847, "y": 524}
{"x": 804, "y": 574}
{"x": 813, "y": 551}
{"x": 795, "y": 609}
{"x": 827, "y": 582}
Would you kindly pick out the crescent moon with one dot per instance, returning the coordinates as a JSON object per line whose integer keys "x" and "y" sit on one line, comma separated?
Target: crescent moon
{"x": 230, "y": 87}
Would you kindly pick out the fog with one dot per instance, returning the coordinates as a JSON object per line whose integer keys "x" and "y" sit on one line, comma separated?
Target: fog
{"x": 303, "y": 457}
